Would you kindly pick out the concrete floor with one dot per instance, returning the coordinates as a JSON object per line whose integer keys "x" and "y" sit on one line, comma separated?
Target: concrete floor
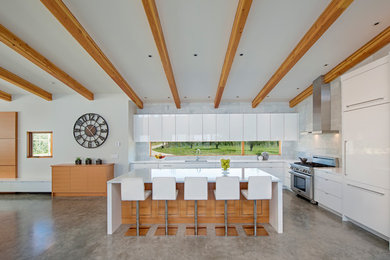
{"x": 37, "y": 227}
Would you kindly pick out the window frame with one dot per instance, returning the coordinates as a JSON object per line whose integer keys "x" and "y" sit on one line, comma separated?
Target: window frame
{"x": 30, "y": 144}
{"x": 242, "y": 150}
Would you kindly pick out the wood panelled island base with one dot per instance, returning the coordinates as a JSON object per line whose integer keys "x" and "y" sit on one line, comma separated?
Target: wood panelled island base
{"x": 81, "y": 180}
{"x": 182, "y": 211}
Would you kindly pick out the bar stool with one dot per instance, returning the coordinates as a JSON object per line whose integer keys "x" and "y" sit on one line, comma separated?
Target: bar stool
{"x": 164, "y": 188}
{"x": 133, "y": 189}
{"x": 195, "y": 188}
{"x": 227, "y": 188}
{"x": 259, "y": 188}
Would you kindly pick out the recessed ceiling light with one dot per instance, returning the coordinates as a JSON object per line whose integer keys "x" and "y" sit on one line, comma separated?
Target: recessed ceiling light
{"x": 375, "y": 24}
{"x": 241, "y": 54}
{"x": 325, "y": 65}
{"x": 267, "y": 96}
{"x": 145, "y": 97}
{"x": 52, "y": 82}
{"x": 150, "y": 56}
{"x": 297, "y": 88}
{"x": 209, "y": 97}
{"x": 195, "y": 54}
{"x": 169, "y": 97}
{"x": 237, "y": 96}
{"x": 185, "y": 97}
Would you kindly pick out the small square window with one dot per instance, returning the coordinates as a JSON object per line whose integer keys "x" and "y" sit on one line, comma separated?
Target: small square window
{"x": 40, "y": 144}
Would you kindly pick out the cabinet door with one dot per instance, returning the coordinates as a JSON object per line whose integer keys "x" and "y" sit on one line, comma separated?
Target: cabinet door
{"x": 141, "y": 128}
{"x": 7, "y": 152}
{"x": 250, "y": 127}
{"x": 78, "y": 179}
{"x": 8, "y": 124}
{"x": 277, "y": 127}
{"x": 196, "y": 128}
{"x": 291, "y": 127}
{"x": 366, "y": 86}
{"x": 236, "y": 127}
{"x": 209, "y": 127}
{"x": 182, "y": 128}
{"x": 223, "y": 124}
{"x": 263, "y": 127}
{"x": 60, "y": 179}
{"x": 97, "y": 179}
{"x": 168, "y": 128}
{"x": 155, "y": 128}
{"x": 368, "y": 206}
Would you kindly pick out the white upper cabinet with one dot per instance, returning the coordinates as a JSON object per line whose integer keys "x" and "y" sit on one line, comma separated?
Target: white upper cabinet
{"x": 291, "y": 127}
{"x": 277, "y": 127}
{"x": 223, "y": 125}
{"x": 263, "y": 127}
{"x": 196, "y": 127}
{"x": 250, "y": 127}
{"x": 209, "y": 127}
{"x": 236, "y": 126}
{"x": 168, "y": 128}
{"x": 141, "y": 128}
{"x": 366, "y": 86}
{"x": 155, "y": 128}
{"x": 182, "y": 128}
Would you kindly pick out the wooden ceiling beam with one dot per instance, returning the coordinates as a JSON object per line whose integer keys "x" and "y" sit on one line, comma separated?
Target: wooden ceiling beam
{"x": 24, "y": 84}
{"x": 355, "y": 58}
{"x": 15, "y": 43}
{"x": 158, "y": 35}
{"x": 235, "y": 36}
{"x": 72, "y": 25}
{"x": 326, "y": 19}
{"x": 5, "y": 96}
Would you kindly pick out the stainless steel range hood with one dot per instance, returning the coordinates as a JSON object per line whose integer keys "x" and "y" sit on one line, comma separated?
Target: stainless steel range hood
{"x": 321, "y": 108}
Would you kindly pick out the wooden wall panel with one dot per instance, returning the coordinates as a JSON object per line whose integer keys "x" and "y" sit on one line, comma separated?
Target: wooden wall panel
{"x": 7, "y": 171}
{"x": 8, "y": 125}
{"x": 8, "y": 144}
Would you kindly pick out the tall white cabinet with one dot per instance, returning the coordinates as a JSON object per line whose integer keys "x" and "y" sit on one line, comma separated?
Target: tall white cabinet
{"x": 366, "y": 145}
{"x": 223, "y": 127}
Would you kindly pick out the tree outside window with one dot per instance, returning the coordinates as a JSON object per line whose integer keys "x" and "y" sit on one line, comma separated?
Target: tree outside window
{"x": 40, "y": 144}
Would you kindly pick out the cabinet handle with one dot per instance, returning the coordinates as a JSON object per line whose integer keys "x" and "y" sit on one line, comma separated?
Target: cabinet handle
{"x": 361, "y": 188}
{"x": 368, "y": 101}
{"x": 345, "y": 157}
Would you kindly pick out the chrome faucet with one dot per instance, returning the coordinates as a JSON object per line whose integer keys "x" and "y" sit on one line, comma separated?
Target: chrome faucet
{"x": 197, "y": 154}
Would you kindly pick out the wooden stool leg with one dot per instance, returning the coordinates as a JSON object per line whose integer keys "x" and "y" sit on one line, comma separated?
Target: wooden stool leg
{"x": 166, "y": 218}
{"x": 255, "y": 218}
{"x": 137, "y": 218}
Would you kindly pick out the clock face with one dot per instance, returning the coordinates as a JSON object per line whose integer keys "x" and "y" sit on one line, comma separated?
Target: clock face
{"x": 90, "y": 130}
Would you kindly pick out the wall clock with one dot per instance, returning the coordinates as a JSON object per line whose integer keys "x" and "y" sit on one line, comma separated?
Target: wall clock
{"x": 90, "y": 130}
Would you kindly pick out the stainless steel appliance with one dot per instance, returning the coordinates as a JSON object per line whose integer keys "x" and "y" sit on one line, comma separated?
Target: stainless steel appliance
{"x": 302, "y": 173}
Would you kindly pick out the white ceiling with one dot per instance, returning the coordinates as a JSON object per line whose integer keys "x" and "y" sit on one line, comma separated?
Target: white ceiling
{"x": 201, "y": 27}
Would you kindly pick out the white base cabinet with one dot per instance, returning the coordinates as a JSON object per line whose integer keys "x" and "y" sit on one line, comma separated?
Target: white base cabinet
{"x": 368, "y": 206}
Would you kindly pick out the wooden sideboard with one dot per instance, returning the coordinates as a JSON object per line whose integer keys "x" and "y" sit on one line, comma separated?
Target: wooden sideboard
{"x": 8, "y": 144}
{"x": 81, "y": 180}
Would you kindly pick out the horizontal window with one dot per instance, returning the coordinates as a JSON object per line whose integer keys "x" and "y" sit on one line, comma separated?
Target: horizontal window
{"x": 214, "y": 148}
{"x": 40, "y": 144}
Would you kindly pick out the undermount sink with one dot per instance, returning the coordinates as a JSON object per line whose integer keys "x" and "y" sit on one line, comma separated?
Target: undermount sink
{"x": 196, "y": 161}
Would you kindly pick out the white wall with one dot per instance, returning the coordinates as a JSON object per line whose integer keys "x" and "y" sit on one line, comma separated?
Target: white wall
{"x": 59, "y": 116}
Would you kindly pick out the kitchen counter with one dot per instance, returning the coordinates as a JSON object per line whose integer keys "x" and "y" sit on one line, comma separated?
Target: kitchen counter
{"x": 118, "y": 211}
{"x": 212, "y": 161}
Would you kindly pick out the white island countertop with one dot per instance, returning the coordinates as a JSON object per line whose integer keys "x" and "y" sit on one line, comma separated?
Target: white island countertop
{"x": 180, "y": 174}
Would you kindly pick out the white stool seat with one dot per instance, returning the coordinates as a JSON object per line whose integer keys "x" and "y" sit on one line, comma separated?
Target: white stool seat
{"x": 195, "y": 188}
{"x": 259, "y": 188}
{"x": 133, "y": 189}
{"x": 164, "y": 188}
{"x": 227, "y": 188}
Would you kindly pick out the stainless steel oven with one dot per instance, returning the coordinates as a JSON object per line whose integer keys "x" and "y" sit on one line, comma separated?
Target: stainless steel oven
{"x": 302, "y": 184}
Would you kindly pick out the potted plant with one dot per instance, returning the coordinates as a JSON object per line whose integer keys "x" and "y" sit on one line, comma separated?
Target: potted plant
{"x": 225, "y": 164}
{"x": 88, "y": 161}
{"x": 78, "y": 161}
{"x": 99, "y": 161}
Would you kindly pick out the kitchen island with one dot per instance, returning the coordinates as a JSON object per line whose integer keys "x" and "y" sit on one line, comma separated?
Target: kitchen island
{"x": 181, "y": 211}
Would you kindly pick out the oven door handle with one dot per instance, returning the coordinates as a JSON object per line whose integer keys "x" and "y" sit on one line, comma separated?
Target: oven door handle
{"x": 300, "y": 174}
